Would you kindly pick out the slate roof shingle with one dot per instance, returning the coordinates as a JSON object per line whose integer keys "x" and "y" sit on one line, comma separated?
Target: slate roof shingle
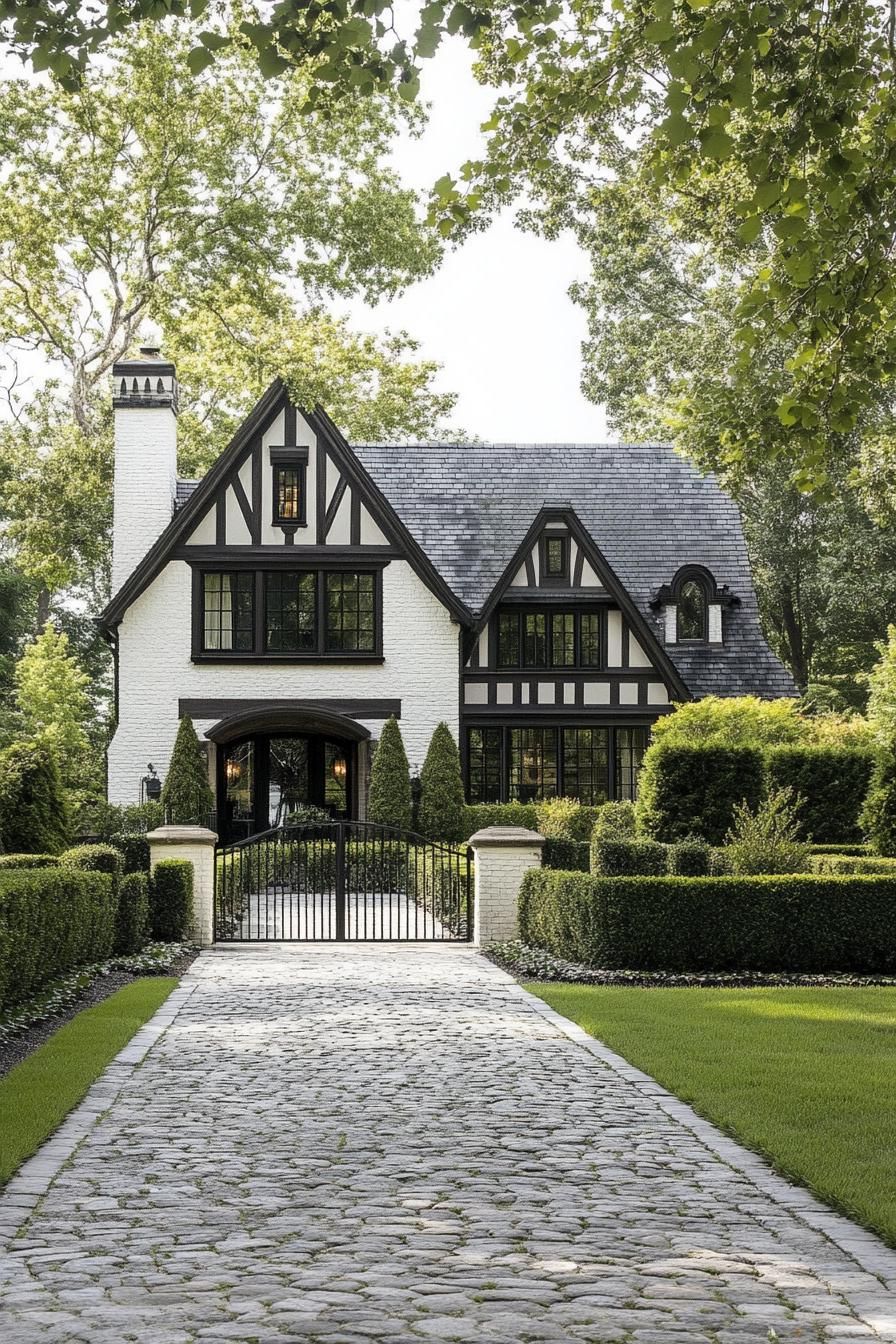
{"x": 647, "y": 510}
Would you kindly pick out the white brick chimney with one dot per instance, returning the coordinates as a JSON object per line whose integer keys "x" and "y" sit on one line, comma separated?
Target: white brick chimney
{"x": 144, "y": 395}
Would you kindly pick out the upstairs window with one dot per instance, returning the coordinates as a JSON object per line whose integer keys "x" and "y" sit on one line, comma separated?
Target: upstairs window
{"x": 289, "y": 494}
{"x": 692, "y": 611}
{"x": 351, "y": 613}
{"x": 554, "y": 560}
{"x": 290, "y": 605}
{"x": 543, "y": 639}
{"x": 228, "y": 616}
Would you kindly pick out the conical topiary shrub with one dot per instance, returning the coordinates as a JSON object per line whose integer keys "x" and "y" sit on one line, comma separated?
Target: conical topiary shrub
{"x": 389, "y": 795}
{"x": 878, "y": 818}
{"x": 441, "y": 812}
{"x": 186, "y": 796}
{"x": 34, "y": 807}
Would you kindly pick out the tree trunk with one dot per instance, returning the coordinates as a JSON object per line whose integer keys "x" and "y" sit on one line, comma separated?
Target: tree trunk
{"x": 43, "y": 608}
{"x": 793, "y": 633}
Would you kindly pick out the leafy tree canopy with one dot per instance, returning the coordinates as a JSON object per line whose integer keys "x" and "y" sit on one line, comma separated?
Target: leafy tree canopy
{"x": 213, "y": 207}
{"x": 882, "y": 685}
{"x": 52, "y": 698}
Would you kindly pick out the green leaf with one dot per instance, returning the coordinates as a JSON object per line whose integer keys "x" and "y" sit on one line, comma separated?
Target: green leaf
{"x": 716, "y": 144}
{"x": 791, "y": 226}
{"x": 198, "y": 60}
{"x": 660, "y": 30}
{"x": 750, "y": 229}
{"x": 214, "y": 41}
{"x": 677, "y": 129}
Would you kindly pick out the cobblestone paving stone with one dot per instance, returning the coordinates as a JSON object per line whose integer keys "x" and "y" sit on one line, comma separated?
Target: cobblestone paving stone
{"x": 353, "y": 1144}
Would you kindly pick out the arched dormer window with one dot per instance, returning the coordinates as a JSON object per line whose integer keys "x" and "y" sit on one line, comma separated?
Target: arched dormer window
{"x": 692, "y": 611}
{"x": 691, "y": 607}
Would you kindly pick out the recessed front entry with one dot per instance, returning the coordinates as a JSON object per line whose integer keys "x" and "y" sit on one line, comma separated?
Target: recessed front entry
{"x": 264, "y": 778}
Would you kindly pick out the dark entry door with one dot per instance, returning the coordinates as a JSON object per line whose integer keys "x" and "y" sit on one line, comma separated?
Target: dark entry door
{"x": 264, "y": 779}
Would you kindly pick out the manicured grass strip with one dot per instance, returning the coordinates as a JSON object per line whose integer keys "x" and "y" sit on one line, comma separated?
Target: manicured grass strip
{"x": 37, "y": 1095}
{"x": 805, "y": 1076}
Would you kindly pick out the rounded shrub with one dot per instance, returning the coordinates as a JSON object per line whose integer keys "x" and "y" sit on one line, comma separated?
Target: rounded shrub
{"x": 615, "y": 821}
{"x": 440, "y": 815}
{"x": 94, "y": 859}
{"x": 389, "y": 793}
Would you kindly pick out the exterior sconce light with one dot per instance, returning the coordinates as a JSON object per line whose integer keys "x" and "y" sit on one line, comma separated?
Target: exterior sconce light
{"x": 150, "y": 786}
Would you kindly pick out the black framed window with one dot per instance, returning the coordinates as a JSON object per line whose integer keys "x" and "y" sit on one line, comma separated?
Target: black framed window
{"x": 484, "y": 764}
{"x": 524, "y": 764}
{"x": 290, "y": 602}
{"x": 586, "y": 760}
{"x": 509, "y": 639}
{"x": 554, "y": 559}
{"x": 533, "y": 764}
{"x": 289, "y": 493}
{"x": 563, "y": 639}
{"x": 589, "y": 639}
{"x": 540, "y": 639}
{"x": 351, "y": 613}
{"x": 631, "y": 744}
{"x": 691, "y": 611}
{"x": 228, "y": 611}
{"x": 535, "y": 639}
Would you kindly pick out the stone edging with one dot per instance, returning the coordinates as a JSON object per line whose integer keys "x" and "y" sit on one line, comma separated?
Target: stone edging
{"x": 20, "y": 1197}
{"x": 871, "y": 1254}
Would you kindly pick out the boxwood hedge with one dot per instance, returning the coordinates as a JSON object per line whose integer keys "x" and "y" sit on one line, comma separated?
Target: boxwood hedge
{"x": 687, "y": 791}
{"x": 832, "y": 781}
{"x": 805, "y": 923}
{"x": 51, "y": 921}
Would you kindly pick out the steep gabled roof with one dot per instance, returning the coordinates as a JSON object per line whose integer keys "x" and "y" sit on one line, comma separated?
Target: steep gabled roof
{"x": 648, "y": 510}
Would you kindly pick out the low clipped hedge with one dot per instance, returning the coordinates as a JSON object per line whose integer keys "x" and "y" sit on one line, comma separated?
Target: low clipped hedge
{"x": 94, "y": 859}
{"x": 29, "y": 861}
{"x": 132, "y": 915}
{"x": 846, "y": 863}
{"x": 832, "y": 782}
{"x": 52, "y": 920}
{"x": 627, "y": 858}
{"x": 804, "y": 923}
{"x": 171, "y": 900}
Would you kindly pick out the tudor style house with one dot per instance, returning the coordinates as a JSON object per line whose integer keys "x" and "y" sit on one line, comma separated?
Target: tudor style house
{"x": 549, "y": 601}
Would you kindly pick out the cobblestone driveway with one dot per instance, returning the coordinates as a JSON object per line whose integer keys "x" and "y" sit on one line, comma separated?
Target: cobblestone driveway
{"x": 350, "y": 1144}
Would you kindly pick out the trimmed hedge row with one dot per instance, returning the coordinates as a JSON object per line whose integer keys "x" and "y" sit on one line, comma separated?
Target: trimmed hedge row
{"x": 846, "y": 863}
{"x": 799, "y": 923}
{"x": 20, "y": 861}
{"x": 51, "y": 921}
{"x": 568, "y": 855}
{"x": 832, "y": 781}
{"x": 479, "y": 815}
{"x": 171, "y": 900}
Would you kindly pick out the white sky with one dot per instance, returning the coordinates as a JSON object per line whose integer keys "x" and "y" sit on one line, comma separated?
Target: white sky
{"x": 496, "y": 315}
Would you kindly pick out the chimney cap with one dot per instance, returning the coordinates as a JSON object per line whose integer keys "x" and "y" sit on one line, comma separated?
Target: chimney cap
{"x": 151, "y": 351}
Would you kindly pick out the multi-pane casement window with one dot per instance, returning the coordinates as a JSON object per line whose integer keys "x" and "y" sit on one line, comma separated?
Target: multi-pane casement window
{"x": 289, "y": 494}
{"x": 545, "y": 639}
{"x": 227, "y": 612}
{"x": 288, "y": 613}
{"x": 525, "y": 764}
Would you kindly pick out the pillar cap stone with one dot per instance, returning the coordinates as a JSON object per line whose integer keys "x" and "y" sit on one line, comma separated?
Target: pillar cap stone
{"x": 182, "y": 835}
{"x": 505, "y": 836}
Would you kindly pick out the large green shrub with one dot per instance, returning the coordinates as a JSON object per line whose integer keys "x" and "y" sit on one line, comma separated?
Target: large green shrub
{"x": 389, "y": 795}
{"x": 801, "y": 923}
{"x": 479, "y": 816}
{"x": 440, "y": 814}
{"x": 878, "y": 818}
{"x": 686, "y": 791}
{"x": 625, "y": 858}
{"x": 34, "y": 809}
{"x": 94, "y": 859}
{"x": 52, "y": 920}
{"x": 171, "y": 900}
{"x": 132, "y": 916}
{"x": 832, "y": 781}
{"x": 766, "y": 839}
{"x": 733, "y": 721}
{"x": 186, "y": 794}
{"x": 134, "y": 851}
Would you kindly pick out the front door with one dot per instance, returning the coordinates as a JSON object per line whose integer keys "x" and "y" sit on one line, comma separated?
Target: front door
{"x": 265, "y": 779}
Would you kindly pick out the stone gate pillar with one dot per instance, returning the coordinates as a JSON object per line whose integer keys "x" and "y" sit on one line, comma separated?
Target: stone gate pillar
{"x": 504, "y": 854}
{"x": 197, "y": 846}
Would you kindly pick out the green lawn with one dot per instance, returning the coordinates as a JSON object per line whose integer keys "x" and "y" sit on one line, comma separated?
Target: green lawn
{"x": 805, "y": 1076}
{"x": 37, "y": 1094}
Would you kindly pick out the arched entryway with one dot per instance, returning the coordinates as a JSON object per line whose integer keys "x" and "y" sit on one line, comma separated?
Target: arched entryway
{"x": 270, "y": 762}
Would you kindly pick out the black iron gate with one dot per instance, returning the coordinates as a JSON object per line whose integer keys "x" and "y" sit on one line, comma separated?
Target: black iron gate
{"x": 343, "y": 880}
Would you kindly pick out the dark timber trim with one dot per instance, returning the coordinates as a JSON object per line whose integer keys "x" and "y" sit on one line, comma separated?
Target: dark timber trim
{"x": 352, "y": 709}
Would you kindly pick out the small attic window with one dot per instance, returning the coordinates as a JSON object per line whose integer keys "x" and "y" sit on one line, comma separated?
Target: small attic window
{"x": 555, "y": 559}
{"x": 692, "y": 611}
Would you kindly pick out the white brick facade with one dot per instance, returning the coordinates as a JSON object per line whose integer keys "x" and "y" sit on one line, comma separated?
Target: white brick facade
{"x": 420, "y": 647}
{"x": 145, "y": 483}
